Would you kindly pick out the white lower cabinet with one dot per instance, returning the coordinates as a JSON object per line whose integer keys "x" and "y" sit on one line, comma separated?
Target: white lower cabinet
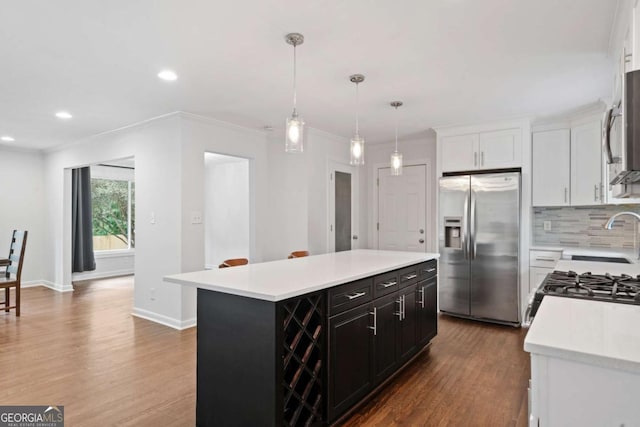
{"x": 567, "y": 393}
{"x": 536, "y": 276}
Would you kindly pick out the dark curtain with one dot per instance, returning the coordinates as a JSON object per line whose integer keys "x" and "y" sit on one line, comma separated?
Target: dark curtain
{"x": 82, "y": 227}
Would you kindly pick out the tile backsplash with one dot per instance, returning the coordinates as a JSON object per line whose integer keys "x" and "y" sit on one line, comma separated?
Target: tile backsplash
{"x": 583, "y": 227}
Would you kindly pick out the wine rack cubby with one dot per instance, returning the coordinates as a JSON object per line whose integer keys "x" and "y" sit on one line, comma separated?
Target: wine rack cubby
{"x": 303, "y": 361}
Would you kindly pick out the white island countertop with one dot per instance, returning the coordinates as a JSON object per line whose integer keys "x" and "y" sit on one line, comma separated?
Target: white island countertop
{"x": 287, "y": 278}
{"x": 594, "y": 332}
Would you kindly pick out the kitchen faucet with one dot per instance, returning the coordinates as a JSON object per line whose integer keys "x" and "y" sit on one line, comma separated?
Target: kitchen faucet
{"x": 609, "y": 224}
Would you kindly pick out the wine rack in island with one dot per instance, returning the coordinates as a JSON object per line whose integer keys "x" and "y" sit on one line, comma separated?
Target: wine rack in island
{"x": 302, "y": 360}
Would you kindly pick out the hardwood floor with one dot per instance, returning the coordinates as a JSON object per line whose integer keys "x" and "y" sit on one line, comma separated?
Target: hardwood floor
{"x": 85, "y": 351}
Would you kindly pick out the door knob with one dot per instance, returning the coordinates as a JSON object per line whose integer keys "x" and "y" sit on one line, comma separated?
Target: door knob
{"x": 355, "y": 237}
{"x": 421, "y": 240}
{"x": 422, "y": 231}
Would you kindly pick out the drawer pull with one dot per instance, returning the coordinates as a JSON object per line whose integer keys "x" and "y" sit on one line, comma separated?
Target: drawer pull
{"x": 388, "y": 284}
{"x": 410, "y": 276}
{"x": 431, "y": 270}
{"x": 356, "y": 295}
{"x": 546, "y": 259}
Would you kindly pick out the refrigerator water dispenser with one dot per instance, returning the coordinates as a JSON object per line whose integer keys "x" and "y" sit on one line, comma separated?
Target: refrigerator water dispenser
{"x": 452, "y": 233}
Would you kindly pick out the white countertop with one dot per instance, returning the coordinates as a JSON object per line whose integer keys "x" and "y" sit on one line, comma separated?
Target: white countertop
{"x": 594, "y": 332}
{"x": 282, "y": 279}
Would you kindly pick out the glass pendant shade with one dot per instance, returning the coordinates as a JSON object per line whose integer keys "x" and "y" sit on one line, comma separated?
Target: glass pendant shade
{"x": 396, "y": 163}
{"x": 357, "y": 150}
{"x": 294, "y": 138}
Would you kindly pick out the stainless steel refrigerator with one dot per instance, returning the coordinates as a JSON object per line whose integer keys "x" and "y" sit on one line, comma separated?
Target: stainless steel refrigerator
{"x": 479, "y": 234}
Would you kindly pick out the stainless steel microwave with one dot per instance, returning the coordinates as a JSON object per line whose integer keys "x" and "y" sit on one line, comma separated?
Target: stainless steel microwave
{"x": 621, "y": 134}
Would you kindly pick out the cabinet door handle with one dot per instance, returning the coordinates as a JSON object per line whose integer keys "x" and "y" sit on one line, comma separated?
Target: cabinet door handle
{"x": 409, "y": 276}
{"x": 356, "y": 295}
{"x": 399, "y": 312}
{"x": 595, "y": 193}
{"x": 404, "y": 306}
{"x": 475, "y": 158}
{"x": 566, "y": 193}
{"x": 388, "y": 284}
{"x": 482, "y": 158}
{"x": 421, "y": 302}
{"x": 375, "y": 321}
{"x": 601, "y": 193}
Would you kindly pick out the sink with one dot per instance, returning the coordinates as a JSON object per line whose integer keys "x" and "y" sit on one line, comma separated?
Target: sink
{"x": 600, "y": 259}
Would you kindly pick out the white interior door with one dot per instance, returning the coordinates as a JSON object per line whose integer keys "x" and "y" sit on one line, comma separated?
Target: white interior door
{"x": 343, "y": 208}
{"x": 402, "y": 209}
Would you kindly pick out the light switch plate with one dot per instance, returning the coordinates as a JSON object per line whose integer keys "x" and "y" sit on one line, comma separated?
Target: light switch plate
{"x": 547, "y": 226}
{"x": 196, "y": 217}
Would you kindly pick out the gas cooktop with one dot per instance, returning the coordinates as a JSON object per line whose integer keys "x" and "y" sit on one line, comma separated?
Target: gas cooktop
{"x": 597, "y": 287}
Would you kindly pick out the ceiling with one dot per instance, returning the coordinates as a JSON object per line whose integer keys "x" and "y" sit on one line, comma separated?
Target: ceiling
{"x": 450, "y": 61}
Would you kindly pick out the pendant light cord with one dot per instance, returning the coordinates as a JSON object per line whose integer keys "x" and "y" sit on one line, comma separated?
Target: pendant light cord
{"x": 396, "y": 129}
{"x": 294, "y": 80}
{"x": 357, "y": 108}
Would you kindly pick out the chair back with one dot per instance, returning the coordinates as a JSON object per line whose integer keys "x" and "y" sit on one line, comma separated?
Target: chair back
{"x": 298, "y": 254}
{"x": 233, "y": 262}
{"x": 16, "y": 253}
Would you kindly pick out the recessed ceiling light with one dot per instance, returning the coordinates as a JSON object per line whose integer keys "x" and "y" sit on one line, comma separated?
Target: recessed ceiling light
{"x": 168, "y": 75}
{"x": 7, "y": 138}
{"x": 63, "y": 115}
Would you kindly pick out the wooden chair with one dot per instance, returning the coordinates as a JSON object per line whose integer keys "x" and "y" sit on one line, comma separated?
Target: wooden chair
{"x": 298, "y": 254}
{"x": 233, "y": 262}
{"x": 13, "y": 273}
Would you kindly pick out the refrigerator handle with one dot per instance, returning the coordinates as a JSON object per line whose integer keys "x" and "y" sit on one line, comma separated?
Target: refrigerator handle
{"x": 465, "y": 227}
{"x": 472, "y": 226}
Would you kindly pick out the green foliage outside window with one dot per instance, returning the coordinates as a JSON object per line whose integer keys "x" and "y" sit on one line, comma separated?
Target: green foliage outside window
{"x": 110, "y": 205}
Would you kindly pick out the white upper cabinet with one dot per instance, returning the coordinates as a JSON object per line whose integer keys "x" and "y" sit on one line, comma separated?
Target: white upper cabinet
{"x": 500, "y": 149}
{"x": 567, "y": 166}
{"x": 460, "y": 152}
{"x": 586, "y": 165}
{"x": 482, "y": 150}
{"x": 550, "y": 168}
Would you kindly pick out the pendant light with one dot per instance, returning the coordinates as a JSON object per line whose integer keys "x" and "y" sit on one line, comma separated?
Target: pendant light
{"x": 396, "y": 158}
{"x": 357, "y": 142}
{"x": 294, "y": 136}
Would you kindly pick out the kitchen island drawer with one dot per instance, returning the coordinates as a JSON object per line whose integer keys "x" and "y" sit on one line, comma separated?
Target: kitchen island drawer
{"x": 428, "y": 269}
{"x": 345, "y": 297}
{"x": 408, "y": 275}
{"x": 385, "y": 284}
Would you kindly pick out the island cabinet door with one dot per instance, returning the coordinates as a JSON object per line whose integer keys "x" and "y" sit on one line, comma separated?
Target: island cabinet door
{"x": 350, "y": 358}
{"x": 386, "y": 338}
{"x": 427, "y": 316}
{"x": 408, "y": 323}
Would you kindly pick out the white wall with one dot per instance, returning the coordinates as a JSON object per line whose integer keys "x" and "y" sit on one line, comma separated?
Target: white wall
{"x": 226, "y": 214}
{"x": 22, "y": 207}
{"x": 415, "y": 151}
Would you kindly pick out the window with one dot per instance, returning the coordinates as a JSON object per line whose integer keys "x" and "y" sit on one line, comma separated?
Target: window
{"x": 113, "y": 214}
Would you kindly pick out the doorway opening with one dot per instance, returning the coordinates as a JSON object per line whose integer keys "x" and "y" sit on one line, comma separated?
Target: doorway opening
{"x": 343, "y": 208}
{"x": 226, "y": 209}
{"x": 108, "y": 235}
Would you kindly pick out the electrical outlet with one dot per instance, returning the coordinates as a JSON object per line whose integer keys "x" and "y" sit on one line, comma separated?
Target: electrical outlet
{"x": 152, "y": 294}
{"x": 547, "y": 226}
{"x": 196, "y": 217}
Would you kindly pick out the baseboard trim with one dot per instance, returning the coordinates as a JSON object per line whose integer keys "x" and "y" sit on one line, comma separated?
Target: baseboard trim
{"x": 76, "y": 277}
{"x": 47, "y": 284}
{"x": 164, "y": 320}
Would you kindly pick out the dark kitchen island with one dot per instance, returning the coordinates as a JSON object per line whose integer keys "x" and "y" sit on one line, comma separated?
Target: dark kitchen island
{"x": 301, "y": 341}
